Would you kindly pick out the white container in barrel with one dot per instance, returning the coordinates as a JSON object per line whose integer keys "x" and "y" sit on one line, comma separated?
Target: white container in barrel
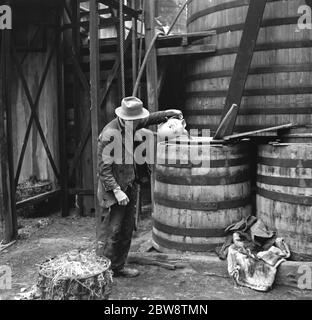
{"x": 201, "y": 187}
{"x": 284, "y": 194}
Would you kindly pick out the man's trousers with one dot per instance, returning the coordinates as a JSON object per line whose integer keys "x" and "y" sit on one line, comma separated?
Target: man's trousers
{"x": 114, "y": 228}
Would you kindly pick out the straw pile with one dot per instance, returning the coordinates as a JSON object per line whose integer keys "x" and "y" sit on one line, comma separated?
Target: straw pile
{"x": 76, "y": 275}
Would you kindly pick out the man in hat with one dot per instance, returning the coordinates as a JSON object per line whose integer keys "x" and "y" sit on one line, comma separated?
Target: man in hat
{"x": 115, "y": 220}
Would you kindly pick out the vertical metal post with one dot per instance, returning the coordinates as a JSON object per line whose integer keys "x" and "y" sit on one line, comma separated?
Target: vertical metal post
{"x": 95, "y": 87}
{"x": 62, "y": 120}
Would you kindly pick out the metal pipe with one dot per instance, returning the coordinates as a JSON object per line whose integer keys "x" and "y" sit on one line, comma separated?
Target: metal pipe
{"x": 137, "y": 83}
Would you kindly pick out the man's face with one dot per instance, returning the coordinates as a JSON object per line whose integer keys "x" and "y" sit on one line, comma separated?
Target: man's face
{"x": 130, "y": 123}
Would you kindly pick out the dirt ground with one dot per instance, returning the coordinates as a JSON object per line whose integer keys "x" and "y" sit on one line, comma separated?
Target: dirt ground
{"x": 46, "y": 240}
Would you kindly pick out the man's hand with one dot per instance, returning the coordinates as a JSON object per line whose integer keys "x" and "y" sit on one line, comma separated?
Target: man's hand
{"x": 176, "y": 113}
{"x": 121, "y": 197}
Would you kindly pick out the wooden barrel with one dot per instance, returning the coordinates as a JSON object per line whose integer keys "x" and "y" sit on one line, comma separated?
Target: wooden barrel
{"x": 278, "y": 89}
{"x": 284, "y": 194}
{"x": 200, "y": 189}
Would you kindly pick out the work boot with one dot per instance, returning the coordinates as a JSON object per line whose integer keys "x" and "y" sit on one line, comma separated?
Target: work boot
{"x": 126, "y": 272}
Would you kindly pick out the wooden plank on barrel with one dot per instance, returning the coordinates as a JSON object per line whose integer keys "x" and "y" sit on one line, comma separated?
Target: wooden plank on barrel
{"x": 251, "y": 133}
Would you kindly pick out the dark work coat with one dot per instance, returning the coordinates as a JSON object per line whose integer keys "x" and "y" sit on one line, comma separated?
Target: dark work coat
{"x": 111, "y": 174}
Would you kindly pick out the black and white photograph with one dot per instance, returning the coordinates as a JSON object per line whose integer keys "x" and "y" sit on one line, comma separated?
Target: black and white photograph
{"x": 156, "y": 155}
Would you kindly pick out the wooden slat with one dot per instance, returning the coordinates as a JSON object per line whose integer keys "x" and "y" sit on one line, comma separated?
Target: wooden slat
{"x": 8, "y": 38}
{"x": 162, "y": 41}
{"x": 110, "y": 45}
{"x": 151, "y": 72}
{"x": 8, "y": 218}
{"x": 254, "y": 92}
{"x": 305, "y": 67}
{"x": 63, "y": 178}
{"x": 250, "y": 133}
{"x": 190, "y": 50}
{"x": 38, "y": 198}
{"x": 161, "y": 52}
{"x": 95, "y": 88}
{"x": 76, "y": 36}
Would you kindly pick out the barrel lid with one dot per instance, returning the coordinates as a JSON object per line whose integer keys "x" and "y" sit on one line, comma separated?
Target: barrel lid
{"x": 189, "y": 140}
{"x": 202, "y": 141}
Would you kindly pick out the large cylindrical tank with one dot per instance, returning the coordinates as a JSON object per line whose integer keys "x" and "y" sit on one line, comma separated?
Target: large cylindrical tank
{"x": 200, "y": 189}
{"x": 284, "y": 194}
{"x": 278, "y": 89}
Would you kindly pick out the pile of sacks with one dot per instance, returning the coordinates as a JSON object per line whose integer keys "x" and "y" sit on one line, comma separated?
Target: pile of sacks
{"x": 253, "y": 253}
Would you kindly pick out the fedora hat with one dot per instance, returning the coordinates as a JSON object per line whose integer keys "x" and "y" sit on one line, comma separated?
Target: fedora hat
{"x": 131, "y": 109}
